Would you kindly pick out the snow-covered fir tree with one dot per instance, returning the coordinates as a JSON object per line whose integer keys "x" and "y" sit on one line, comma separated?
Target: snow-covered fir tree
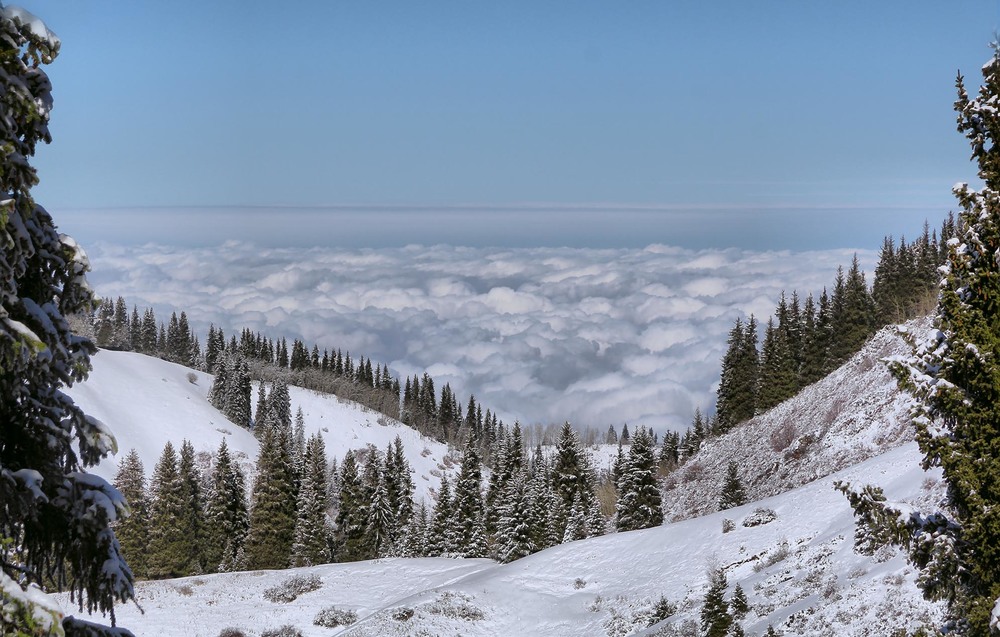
{"x": 312, "y": 544}
{"x": 272, "y": 507}
{"x": 639, "y": 501}
{"x": 441, "y": 534}
{"x": 350, "y": 527}
{"x": 715, "y": 617}
{"x": 132, "y": 530}
{"x": 227, "y": 519}
{"x": 514, "y": 537}
{"x": 952, "y": 376}
{"x": 467, "y": 506}
{"x": 732, "y": 494}
{"x": 169, "y": 546}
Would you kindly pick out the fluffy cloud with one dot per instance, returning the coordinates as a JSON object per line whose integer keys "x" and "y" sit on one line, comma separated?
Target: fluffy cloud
{"x": 538, "y": 334}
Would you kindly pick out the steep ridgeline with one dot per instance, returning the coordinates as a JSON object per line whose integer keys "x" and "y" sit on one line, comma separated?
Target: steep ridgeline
{"x": 853, "y": 414}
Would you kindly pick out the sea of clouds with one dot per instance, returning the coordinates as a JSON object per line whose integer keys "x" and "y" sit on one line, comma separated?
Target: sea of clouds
{"x": 593, "y": 336}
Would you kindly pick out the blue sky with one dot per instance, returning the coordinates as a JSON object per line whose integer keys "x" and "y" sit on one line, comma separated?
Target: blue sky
{"x": 793, "y": 116}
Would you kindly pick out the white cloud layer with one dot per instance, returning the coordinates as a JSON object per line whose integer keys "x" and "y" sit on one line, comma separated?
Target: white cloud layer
{"x": 594, "y": 336}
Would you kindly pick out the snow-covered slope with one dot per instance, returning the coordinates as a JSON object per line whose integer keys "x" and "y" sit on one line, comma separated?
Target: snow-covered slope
{"x": 147, "y": 401}
{"x": 799, "y": 571}
{"x": 855, "y": 413}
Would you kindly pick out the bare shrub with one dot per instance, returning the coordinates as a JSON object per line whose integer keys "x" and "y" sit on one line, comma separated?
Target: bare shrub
{"x": 402, "y": 614}
{"x": 292, "y": 587}
{"x": 783, "y": 436}
{"x": 285, "y": 631}
{"x": 727, "y": 525}
{"x": 332, "y": 617}
{"x": 779, "y": 554}
{"x": 693, "y": 471}
{"x": 579, "y": 583}
{"x": 192, "y": 378}
{"x": 232, "y": 632}
{"x": 456, "y": 606}
{"x": 184, "y": 589}
{"x": 760, "y": 516}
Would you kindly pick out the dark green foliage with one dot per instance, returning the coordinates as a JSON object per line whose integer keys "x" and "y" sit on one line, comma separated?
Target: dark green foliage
{"x": 954, "y": 376}
{"x": 193, "y": 521}
{"x": 639, "y": 501}
{"x": 56, "y": 515}
{"x": 739, "y": 605}
{"x": 169, "y": 546}
{"x": 441, "y": 535}
{"x": 715, "y": 617}
{"x": 732, "y": 494}
{"x": 351, "y": 516}
{"x": 737, "y": 394}
{"x": 227, "y": 519}
{"x": 468, "y": 507}
{"x": 133, "y": 530}
{"x": 272, "y": 510}
{"x": 572, "y": 476}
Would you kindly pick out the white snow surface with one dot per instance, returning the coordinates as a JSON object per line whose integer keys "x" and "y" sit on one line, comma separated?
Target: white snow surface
{"x": 800, "y": 573}
{"x": 146, "y": 402}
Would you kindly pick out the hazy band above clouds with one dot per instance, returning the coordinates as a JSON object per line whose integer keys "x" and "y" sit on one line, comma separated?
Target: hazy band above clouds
{"x": 594, "y": 336}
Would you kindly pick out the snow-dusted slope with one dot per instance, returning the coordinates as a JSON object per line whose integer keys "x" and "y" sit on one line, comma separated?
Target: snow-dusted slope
{"x": 855, "y": 413}
{"x": 799, "y": 571}
{"x": 147, "y": 401}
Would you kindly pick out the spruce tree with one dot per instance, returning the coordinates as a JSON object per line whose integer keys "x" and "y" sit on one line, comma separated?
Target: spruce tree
{"x": 639, "y": 502}
{"x": 514, "y": 538}
{"x": 953, "y": 375}
{"x": 272, "y": 509}
{"x": 732, "y": 494}
{"x": 351, "y": 514}
{"x": 311, "y": 545}
{"x": 227, "y": 519}
{"x": 441, "y": 535}
{"x": 715, "y": 617}
{"x": 468, "y": 508}
{"x": 169, "y": 549}
{"x": 133, "y": 530}
{"x": 193, "y": 521}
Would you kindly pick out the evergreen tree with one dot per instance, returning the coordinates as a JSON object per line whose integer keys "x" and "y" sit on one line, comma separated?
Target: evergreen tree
{"x": 739, "y": 604}
{"x": 193, "y": 521}
{"x": 311, "y": 544}
{"x": 715, "y": 617}
{"x": 133, "y": 530}
{"x": 732, "y": 489}
{"x": 272, "y": 511}
{"x": 227, "y": 520}
{"x": 572, "y": 477}
{"x": 639, "y": 501}
{"x": 736, "y": 398}
{"x": 954, "y": 377}
{"x": 514, "y": 538}
{"x": 441, "y": 535}
{"x": 352, "y": 512}
{"x": 169, "y": 549}
{"x": 467, "y": 507}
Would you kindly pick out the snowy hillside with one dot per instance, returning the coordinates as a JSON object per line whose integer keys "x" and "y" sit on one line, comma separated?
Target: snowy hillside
{"x": 799, "y": 571}
{"x": 855, "y": 413}
{"x": 147, "y": 401}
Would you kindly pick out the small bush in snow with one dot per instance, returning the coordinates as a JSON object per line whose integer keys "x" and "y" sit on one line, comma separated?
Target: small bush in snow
{"x": 662, "y": 609}
{"x": 332, "y": 617}
{"x": 456, "y": 606}
{"x": 579, "y": 583}
{"x": 192, "y": 378}
{"x": 777, "y": 555}
{"x": 285, "y": 631}
{"x": 232, "y": 632}
{"x": 291, "y": 588}
{"x": 727, "y": 525}
{"x": 760, "y": 516}
{"x": 402, "y": 614}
